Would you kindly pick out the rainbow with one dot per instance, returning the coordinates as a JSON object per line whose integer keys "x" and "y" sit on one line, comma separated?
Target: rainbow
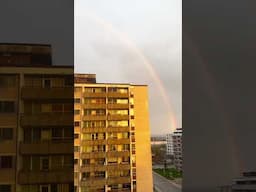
{"x": 127, "y": 42}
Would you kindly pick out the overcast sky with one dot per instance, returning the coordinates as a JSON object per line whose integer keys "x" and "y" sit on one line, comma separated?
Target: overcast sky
{"x": 121, "y": 41}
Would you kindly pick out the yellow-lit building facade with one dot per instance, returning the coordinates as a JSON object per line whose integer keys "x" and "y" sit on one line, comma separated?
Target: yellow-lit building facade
{"x": 112, "y": 137}
{"x": 36, "y": 121}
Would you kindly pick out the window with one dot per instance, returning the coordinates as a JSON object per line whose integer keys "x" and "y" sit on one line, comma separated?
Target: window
{"x": 77, "y": 123}
{"x": 45, "y": 134}
{"x": 86, "y": 161}
{"x": 69, "y": 82}
{"x": 6, "y": 134}
{"x": 85, "y": 175}
{"x": 6, "y": 161}
{"x": 68, "y": 161}
{"x": 7, "y": 107}
{"x": 57, "y": 133}
{"x": 47, "y": 83}
{"x": 92, "y": 124}
{"x": 76, "y": 161}
{"x": 44, "y": 163}
{"x": 76, "y": 136}
{"x": 118, "y": 123}
{"x": 77, "y": 100}
{"x": 100, "y": 174}
{"x": 77, "y": 112}
{"x": 76, "y": 148}
{"x": 5, "y": 188}
{"x": 44, "y": 188}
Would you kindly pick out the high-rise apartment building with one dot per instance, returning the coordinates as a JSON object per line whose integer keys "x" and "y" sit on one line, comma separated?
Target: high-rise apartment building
{"x": 112, "y": 138}
{"x": 177, "y": 148}
{"x": 169, "y": 144}
{"x": 36, "y": 121}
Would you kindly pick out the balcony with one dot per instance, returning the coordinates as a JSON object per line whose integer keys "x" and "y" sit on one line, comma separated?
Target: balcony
{"x": 8, "y": 146}
{"x": 118, "y": 95}
{"x": 93, "y": 181}
{"x": 118, "y": 106}
{"x": 120, "y": 190}
{"x": 93, "y": 167}
{"x": 93, "y": 95}
{"x": 94, "y": 142}
{"x": 119, "y": 180}
{"x": 118, "y": 117}
{"x": 98, "y": 154}
{"x": 94, "y": 130}
{"x": 11, "y": 93}
{"x": 7, "y": 175}
{"x": 118, "y": 129}
{"x": 8, "y": 120}
{"x": 47, "y": 120}
{"x": 119, "y": 141}
{"x": 94, "y": 117}
{"x": 109, "y": 167}
{"x": 95, "y": 106}
{"x": 34, "y": 177}
{"x": 39, "y": 93}
{"x": 118, "y": 153}
{"x": 47, "y": 147}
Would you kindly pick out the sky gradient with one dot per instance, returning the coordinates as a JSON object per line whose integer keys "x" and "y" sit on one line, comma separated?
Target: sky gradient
{"x": 135, "y": 42}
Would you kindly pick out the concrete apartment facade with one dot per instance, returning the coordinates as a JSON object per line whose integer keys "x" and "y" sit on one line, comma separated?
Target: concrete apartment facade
{"x": 169, "y": 144}
{"x": 36, "y": 121}
{"x": 177, "y": 148}
{"x": 112, "y": 137}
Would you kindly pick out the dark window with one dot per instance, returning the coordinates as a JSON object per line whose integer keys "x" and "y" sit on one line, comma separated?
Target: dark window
{"x": 69, "y": 82}
{"x": 57, "y": 133}
{"x": 77, "y": 123}
{"x": 7, "y": 107}
{"x": 86, "y": 161}
{"x": 76, "y": 161}
{"x": 77, "y": 100}
{"x": 44, "y": 163}
{"x": 6, "y": 134}
{"x": 6, "y": 162}
{"x": 76, "y": 136}
{"x": 76, "y": 148}
{"x": 54, "y": 188}
{"x": 5, "y": 188}
{"x": 47, "y": 83}
{"x": 85, "y": 175}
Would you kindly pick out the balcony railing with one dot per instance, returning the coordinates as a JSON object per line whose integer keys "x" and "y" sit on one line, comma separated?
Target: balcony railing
{"x": 37, "y": 177}
{"x": 47, "y": 93}
{"x": 118, "y": 117}
{"x": 94, "y": 142}
{"x": 118, "y": 106}
{"x": 94, "y": 130}
{"x": 94, "y": 106}
{"x": 119, "y": 180}
{"x": 47, "y": 147}
{"x": 92, "y": 95}
{"x": 118, "y": 129}
{"x": 118, "y": 94}
{"x": 119, "y": 141}
{"x": 47, "y": 120}
{"x": 94, "y": 117}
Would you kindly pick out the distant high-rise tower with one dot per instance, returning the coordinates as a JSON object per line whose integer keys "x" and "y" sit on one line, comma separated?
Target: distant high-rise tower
{"x": 112, "y": 138}
{"x": 177, "y": 148}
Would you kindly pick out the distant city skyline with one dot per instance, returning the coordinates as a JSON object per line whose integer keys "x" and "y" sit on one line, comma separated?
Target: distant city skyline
{"x": 134, "y": 42}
